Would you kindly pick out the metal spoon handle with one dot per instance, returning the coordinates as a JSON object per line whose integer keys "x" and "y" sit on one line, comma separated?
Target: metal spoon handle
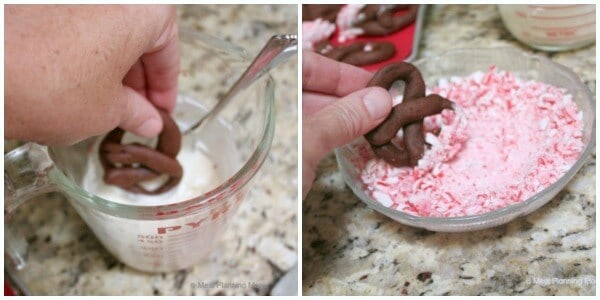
{"x": 277, "y": 50}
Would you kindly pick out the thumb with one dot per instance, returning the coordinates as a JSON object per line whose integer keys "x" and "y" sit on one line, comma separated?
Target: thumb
{"x": 343, "y": 121}
{"x": 139, "y": 116}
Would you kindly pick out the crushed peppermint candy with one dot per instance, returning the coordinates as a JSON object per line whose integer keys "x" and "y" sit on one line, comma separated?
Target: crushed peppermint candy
{"x": 348, "y": 15}
{"x": 315, "y": 31}
{"x": 510, "y": 139}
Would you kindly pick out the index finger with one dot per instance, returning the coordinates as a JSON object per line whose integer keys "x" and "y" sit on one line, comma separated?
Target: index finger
{"x": 324, "y": 75}
{"x": 161, "y": 66}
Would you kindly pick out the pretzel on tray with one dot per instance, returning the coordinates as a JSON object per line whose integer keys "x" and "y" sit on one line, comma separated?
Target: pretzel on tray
{"x": 359, "y": 53}
{"x": 379, "y": 20}
{"x": 326, "y": 12}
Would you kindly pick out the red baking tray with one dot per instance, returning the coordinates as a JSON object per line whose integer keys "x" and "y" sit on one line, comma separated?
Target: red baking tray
{"x": 7, "y": 290}
{"x": 405, "y": 40}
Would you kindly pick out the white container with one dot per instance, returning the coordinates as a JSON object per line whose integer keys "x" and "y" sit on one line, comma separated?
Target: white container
{"x": 551, "y": 27}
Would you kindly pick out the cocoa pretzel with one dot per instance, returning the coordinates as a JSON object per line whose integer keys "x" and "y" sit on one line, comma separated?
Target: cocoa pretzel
{"x": 326, "y": 12}
{"x": 407, "y": 115}
{"x": 379, "y": 20}
{"x": 126, "y": 165}
{"x": 358, "y": 53}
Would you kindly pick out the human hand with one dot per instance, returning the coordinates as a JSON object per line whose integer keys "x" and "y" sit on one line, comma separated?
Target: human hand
{"x": 336, "y": 109}
{"x": 73, "y": 71}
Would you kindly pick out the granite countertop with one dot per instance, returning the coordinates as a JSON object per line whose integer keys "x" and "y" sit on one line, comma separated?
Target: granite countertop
{"x": 260, "y": 244}
{"x": 349, "y": 249}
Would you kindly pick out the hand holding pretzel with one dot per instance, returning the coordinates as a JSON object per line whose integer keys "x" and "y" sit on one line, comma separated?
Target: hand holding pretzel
{"x": 407, "y": 115}
{"x": 128, "y": 165}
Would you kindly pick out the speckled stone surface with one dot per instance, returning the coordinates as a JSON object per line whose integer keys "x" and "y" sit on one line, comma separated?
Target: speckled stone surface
{"x": 260, "y": 244}
{"x": 349, "y": 249}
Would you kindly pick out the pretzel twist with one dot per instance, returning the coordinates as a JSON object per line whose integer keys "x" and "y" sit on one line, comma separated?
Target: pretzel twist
{"x": 128, "y": 165}
{"x": 359, "y": 53}
{"x": 379, "y": 20}
{"x": 408, "y": 115}
{"x": 326, "y": 12}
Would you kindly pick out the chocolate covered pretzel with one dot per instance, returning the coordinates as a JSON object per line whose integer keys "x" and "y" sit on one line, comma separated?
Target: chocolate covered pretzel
{"x": 326, "y": 12}
{"x": 127, "y": 165}
{"x": 359, "y": 53}
{"x": 407, "y": 115}
{"x": 379, "y": 20}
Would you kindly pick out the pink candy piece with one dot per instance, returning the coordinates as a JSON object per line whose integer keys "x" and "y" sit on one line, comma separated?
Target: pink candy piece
{"x": 508, "y": 140}
{"x": 348, "y": 15}
{"x": 315, "y": 31}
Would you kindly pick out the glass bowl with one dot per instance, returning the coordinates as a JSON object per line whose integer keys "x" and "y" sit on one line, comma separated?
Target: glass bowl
{"x": 463, "y": 62}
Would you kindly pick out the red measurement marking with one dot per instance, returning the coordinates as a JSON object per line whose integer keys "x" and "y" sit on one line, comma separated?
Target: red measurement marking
{"x": 554, "y": 6}
{"x": 568, "y": 33}
{"x": 563, "y": 17}
{"x": 192, "y": 208}
{"x": 164, "y": 230}
{"x": 558, "y": 38}
{"x": 564, "y": 28}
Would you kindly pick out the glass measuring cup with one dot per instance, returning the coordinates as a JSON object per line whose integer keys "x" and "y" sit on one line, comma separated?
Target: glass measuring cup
{"x": 551, "y": 27}
{"x": 158, "y": 238}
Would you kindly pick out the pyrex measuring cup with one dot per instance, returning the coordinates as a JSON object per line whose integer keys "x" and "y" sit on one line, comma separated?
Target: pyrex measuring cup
{"x": 551, "y": 27}
{"x": 161, "y": 237}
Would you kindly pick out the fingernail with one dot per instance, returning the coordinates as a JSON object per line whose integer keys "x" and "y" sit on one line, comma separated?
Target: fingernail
{"x": 377, "y": 103}
{"x": 149, "y": 128}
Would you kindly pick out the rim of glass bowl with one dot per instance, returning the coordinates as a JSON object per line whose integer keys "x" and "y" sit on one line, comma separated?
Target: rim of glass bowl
{"x": 226, "y": 189}
{"x": 513, "y": 210}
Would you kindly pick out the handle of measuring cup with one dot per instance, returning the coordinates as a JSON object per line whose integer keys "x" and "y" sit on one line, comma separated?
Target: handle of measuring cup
{"x": 26, "y": 171}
